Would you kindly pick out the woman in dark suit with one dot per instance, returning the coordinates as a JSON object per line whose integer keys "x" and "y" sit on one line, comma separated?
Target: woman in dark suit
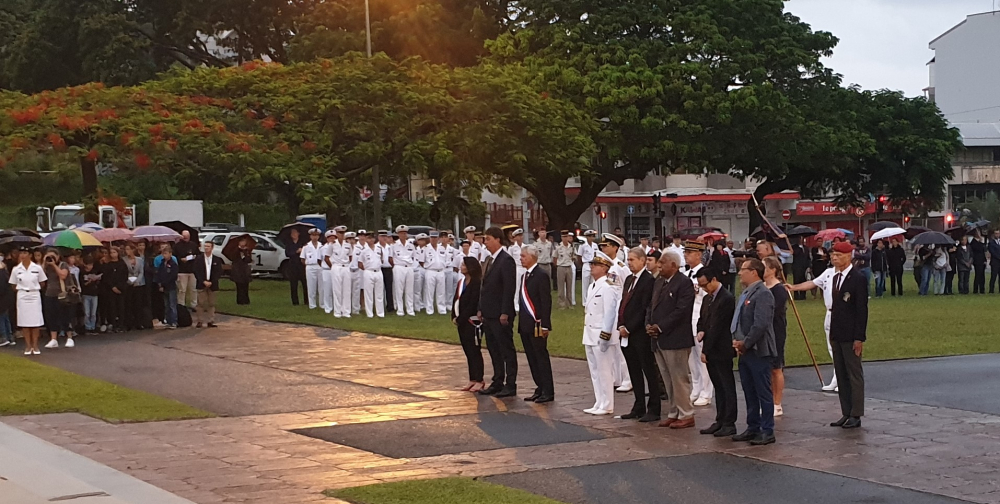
{"x": 466, "y": 305}
{"x": 241, "y": 273}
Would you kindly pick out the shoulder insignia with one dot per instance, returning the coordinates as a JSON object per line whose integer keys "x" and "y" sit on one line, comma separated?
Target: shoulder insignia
{"x": 612, "y": 278}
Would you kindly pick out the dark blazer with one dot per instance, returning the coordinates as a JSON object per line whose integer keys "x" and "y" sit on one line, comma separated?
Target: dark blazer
{"x": 849, "y": 315}
{"x": 539, "y": 288}
{"x": 201, "y": 275}
{"x": 468, "y": 304}
{"x": 634, "y": 314}
{"x": 896, "y": 257}
{"x": 716, "y": 318}
{"x": 994, "y": 249}
{"x": 978, "y": 252}
{"x": 497, "y": 296}
{"x": 757, "y": 321}
{"x": 670, "y": 309}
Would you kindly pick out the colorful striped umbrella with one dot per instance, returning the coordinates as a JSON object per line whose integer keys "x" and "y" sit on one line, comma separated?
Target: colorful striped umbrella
{"x": 72, "y": 239}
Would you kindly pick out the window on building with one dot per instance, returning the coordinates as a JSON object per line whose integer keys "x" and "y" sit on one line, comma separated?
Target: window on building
{"x": 960, "y": 195}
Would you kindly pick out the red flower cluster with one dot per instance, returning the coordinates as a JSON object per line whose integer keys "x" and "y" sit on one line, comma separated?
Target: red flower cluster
{"x": 92, "y": 155}
{"x": 142, "y": 160}
{"x": 269, "y": 123}
{"x": 57, "y": 141}
{"x": 28, "y": 115}
{"x": 73, "y": 123}
{"x": 307, "y": 145}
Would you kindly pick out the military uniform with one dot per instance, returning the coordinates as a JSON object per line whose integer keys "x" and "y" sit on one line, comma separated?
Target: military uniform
{"x": 600, "y": 339}
{"x": 356, "y": 275}
{"x": 546, "y": 250}
{"x": 370, "y": 261}
{"x": 565, "y": 255}
{"x": 702, "y": 389}
{"x": 436, "y": 260}
{"x": 326, "y": 292}
{"x": 340, "y": 274}
{"x": 616, "y": 276}
{"x": 515, "y": 252}
{"x": 402, "y": 274}
{"x": 586, "y": 252}
{"x": 419, "y": 271}
{"x": 312, "y": 257}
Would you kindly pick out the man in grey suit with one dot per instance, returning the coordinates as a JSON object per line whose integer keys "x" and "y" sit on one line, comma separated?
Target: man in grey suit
{"x": 753, "y": 339}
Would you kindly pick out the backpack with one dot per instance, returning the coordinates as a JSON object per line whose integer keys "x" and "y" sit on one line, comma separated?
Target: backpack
{"x": 183, "y": 316}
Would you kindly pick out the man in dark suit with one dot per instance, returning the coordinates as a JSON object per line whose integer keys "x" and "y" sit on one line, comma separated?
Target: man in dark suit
{"x": 994, "y": 250}
{"x": 848, "y": 332}
{"x": 636, "y": 296}
{"x": 496, "y": 309}
{"x": 753, "y": 338}
{"x": 978, "y": 247}
{"x": 669, "y": 324}
{"x": 534, "y": 323}
{"x": 295, "y": 271}
{"x": 713, "y": 331}
{"x": 207, "y": 271}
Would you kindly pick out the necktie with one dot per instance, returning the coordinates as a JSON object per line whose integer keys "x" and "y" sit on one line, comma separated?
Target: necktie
{"x": 489, "y": 262}
{"x": 836, "y": 285}
{"x": 628, "y": 295}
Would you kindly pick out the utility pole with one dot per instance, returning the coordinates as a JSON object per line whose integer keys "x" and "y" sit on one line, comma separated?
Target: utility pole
{"x": 376, "y": 182}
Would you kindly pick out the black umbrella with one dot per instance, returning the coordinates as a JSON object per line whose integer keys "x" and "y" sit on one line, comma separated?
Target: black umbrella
{"x": 19, "y": 232}
{"x": 180, "y": 227}
{"x": 285, "y": 235}
{"x": 913, "y": 231}
{"x": 231, "y": 250}
{"x": 933, "y": 238}
{"x": 801, "y": 231}
{"x": 878, "y": 226}
{"x": 956, "y": 232}
{"x": 10, "y": 242}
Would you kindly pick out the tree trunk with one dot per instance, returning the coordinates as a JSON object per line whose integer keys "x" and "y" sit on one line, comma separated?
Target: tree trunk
{"x": 562, "y": 214}
{"x": 88, "y": 171}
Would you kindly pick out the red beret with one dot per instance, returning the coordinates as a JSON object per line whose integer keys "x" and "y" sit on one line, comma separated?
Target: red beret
{"x": 843, "y": 247}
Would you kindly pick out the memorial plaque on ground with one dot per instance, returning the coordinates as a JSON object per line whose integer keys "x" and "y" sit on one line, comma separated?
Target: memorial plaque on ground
{"x": 426, "y": 437}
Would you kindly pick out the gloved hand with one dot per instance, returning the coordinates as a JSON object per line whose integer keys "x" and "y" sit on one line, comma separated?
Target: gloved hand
{"x": 603, "y": 345}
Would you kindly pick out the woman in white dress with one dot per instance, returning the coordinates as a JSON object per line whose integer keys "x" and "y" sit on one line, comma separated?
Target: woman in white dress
{"x": 29, "y": 279}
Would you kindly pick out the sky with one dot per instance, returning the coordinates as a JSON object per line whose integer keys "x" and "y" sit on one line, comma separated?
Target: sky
{"x": 883, "y": 43}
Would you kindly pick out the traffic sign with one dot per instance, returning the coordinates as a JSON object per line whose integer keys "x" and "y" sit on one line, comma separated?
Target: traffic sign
{"x": 630, "y": 209}
{"x": 859, "y": 211}
{"x": 786, "y": 214}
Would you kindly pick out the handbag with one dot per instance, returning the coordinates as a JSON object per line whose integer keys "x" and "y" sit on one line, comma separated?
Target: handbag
{"x": 69, "y": 294}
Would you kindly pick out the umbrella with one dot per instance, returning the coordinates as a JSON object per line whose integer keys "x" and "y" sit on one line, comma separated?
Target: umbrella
{"x": 913, "y": 231}
{"x": 829, "y": 234}
{"x": 19, "y": 232}
{"x": 887, "y": 233}
{"x": 112, "y": 235}
{"x": 847, "y": 232}
{"x": 933, "y": 238}
{"x": 71, "y": 239}
{"x": 155, "y": 234}
{"x": 981, "y": 223}
{"x": 232, "y": 247}
{"x": 878, "y": 226}
{"x": 712, "y": 236}
{"x": 285, "y": 235}
{"x": 87, "y": 227}
{"x": 801, "y": 231}
{"x": 180, "y": 227}
{"x": 957, "y": 232}
{"x": 11, "y": 241}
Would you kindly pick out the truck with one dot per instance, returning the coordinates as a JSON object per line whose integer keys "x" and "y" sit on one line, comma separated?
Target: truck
{"x": 190, "y": 212}
{"x": 62, "y": 217}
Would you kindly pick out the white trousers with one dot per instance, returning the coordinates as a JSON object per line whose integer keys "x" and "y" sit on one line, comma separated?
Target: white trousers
{"x": 374, "y": 289}
{"x": 621, "y": 375}
{"x": 452, "y": 279}
{"x": 829, "y": 347}
{"x": 419, "y": 275}
{"x": 357, "y": 277}
{"x": 701, "y": 384}
{"x": 435, "y": 292}
{"x": 572, "y": 287}
{"x": 341, "y": 288}
{"x": 314, "y": 284}
{"x": 326, "y": 293}
{"x": 585, "y": 278}
{"x": 602, "y": 375}
{"x": 402, "y": 289}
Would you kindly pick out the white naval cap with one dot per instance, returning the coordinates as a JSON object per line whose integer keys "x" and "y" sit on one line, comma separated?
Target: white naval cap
{"x": 350, "y": 234}
{"x": 402, "y": 229}
{"x": 590, "y": 232}
{"x": 517, "y": 232}
{"x": 608, "y": 237}
{"x": 340, "y": 229}
{"x": 470, "y": 229}
{"x": 330, "y": 233}
{"x": 435, "y": 234}
{"x": 421, "y": 236}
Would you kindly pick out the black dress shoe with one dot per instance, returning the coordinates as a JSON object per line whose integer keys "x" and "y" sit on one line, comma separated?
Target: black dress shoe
{"x": 491, "y": 390}
{"x": 840, "y": 423}
{"x": 763, "y": 439}
{"x": 712, "y": 429}
{"x": 532, "y": 397}
{"x": 544, "y": 399}
{"x": 726, "y": 431}
{"x": 632, "y": 415}
{"x": 748, "y": 435}
{"x": 506, "y": 392}
{"x": 852, "y": 423}
{"x": 650, "y": 417}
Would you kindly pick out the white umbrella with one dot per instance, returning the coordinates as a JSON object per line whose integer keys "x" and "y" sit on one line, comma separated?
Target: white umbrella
{"x": 888, "y": 232}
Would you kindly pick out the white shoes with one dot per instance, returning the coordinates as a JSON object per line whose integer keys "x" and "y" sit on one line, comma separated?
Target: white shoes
{"x": 830, "y": 388}
{"x": 703, "y": 401}
{"x": 69, "y": 343}
{"x": 595, "y": 411}
{"x": 4, "y": 343}
{"x": 36, "y": 352}
{"x": 27, "y": 352}
{"x": 778, "y": 411}
{"x": 52, "y": 344}
{"x": 624, "y": 388}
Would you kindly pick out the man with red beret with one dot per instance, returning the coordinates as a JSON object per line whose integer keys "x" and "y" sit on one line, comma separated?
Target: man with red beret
{"x": 847, "y": 322}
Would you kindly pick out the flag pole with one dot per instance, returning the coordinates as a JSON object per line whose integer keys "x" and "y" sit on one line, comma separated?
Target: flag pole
{"x": 790, "y": 298}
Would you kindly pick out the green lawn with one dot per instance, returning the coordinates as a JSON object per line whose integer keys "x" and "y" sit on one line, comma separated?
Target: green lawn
{"x": 911, "y": 326}
{"x": 438, "y": 491}
{"x": 30, "y": 388}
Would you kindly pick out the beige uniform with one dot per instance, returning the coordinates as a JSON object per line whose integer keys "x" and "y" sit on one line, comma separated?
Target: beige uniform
{"x": 565, "y": 255}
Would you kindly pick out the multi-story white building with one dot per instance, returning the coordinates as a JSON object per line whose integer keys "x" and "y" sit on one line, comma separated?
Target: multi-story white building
{"x": 963, "y": 82}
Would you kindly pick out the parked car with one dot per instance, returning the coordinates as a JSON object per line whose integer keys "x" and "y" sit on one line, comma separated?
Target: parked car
{"x": 268, "y": 256}
{"x": 222, "y": 227}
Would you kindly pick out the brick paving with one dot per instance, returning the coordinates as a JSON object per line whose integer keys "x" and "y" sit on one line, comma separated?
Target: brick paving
{"x": 255, "y": 459}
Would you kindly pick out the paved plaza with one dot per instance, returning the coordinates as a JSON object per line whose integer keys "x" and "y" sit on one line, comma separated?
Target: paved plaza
{"x": 306, "y": 409}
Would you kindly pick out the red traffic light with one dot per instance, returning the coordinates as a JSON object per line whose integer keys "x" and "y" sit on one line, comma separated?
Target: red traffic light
{"x": 604, "y": 215}
{"x": 948, "y": 218}
{"x": 883, "y": 198}
{"x": 906, "y": 218}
